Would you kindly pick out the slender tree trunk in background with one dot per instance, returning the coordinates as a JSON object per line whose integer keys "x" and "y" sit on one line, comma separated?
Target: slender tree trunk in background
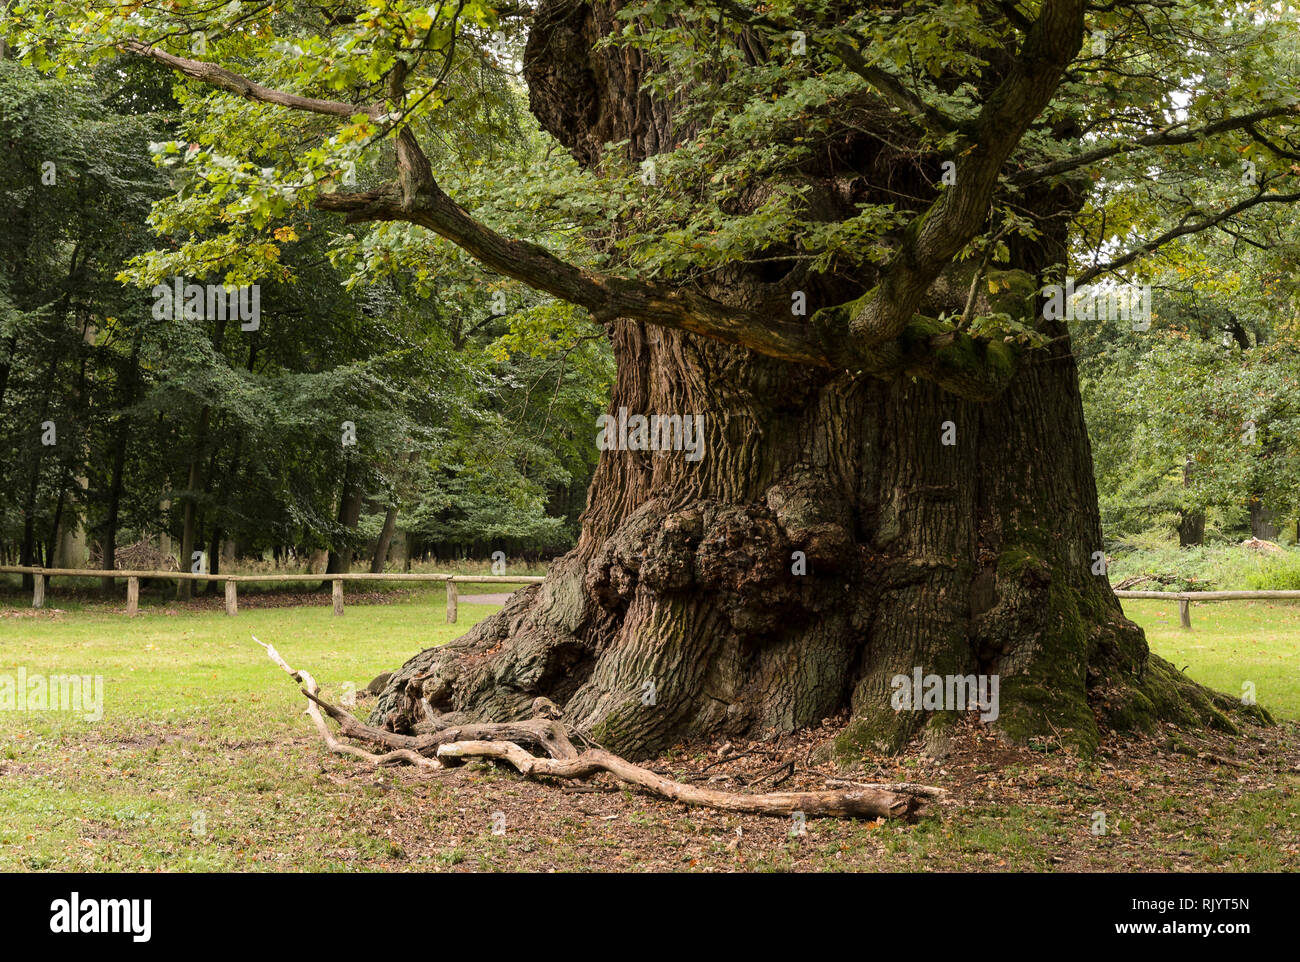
{"x": 52, "y": 544}
{"x": 109, "y": 561}
{"x": 1191, "y": 528}
{"x": 385, "y": 541}
{"x": 380, "y": 557}
{"x": 1263, "y": 521}
{"x": 70, "y": 536}
{"x": 121, "y": 436}
{"x": 10, "y": 346}
{"x": 66, "y": 462}
{"x": 838, "y": 530}
{"x": 350, "y": 516}
{"x": 223, "y": 497}
{"x": 196, "y": 480}
{"x": 29, "y": 554}
{"x": 340, "y": 558}
{"x": 193, "y": 483}
{"x": 115, "y": 485}
{"x": 63, "y": 437}
{"x": 1191, "y": 522}
{"x": 223, "y": 491}
{"x": 214, "y": 543}
{"x": 214, "y": 558}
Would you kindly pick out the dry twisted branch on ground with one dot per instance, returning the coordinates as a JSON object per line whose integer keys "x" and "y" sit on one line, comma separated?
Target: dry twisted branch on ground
{"x": 455, "y": 744}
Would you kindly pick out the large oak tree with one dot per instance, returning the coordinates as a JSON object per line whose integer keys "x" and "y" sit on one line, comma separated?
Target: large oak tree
{"x": 823, "y": 226}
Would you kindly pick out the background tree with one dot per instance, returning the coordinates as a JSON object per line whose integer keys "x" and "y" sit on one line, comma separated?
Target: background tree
{"x": 200, "y": 436}
{"x": 1197, "y": 415}
{"x": 77, "y": 189}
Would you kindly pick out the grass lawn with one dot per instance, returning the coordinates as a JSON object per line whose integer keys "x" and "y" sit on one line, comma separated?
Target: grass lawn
{"x": 1230, "y": 643}
{"x": 204, "y": 760}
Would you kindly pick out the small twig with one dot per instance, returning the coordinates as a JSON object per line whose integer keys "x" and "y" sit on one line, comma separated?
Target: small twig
{"x": 729, "y": 758}
{"x": 926, "y": 791}
{"x": 786, "y": 766}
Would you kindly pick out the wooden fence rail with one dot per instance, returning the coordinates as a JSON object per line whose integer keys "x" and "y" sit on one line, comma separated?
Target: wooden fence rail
{"x": 1185, "y": 598}
{"x": 231, "y": 581}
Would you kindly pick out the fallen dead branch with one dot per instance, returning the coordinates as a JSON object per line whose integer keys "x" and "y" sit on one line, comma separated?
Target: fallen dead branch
{"x": 310, "y": 689}
{"x": 544, "y": 733}
{"x": 452, "y": 744}
{"x": 860, "y": 803}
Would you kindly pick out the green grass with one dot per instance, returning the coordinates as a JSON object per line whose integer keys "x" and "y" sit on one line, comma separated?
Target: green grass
{"x": 199, "y": 663}
{"x": 204, "y": 761}
{"x": 1231, "y": 643}
{"x": 200, "y": 730}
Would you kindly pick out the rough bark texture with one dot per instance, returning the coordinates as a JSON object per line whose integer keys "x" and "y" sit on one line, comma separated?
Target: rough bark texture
{"x": 974, "y": 558}
{"x": 682, "y": 610}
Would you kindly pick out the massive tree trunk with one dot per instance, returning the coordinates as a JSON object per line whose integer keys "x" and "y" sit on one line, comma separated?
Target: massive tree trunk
{"x": 682, "y": 610}
{"x": 838, "y": 531}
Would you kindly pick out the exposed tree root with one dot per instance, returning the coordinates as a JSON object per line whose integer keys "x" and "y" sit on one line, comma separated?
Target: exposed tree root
{"x": 454, "y": 744}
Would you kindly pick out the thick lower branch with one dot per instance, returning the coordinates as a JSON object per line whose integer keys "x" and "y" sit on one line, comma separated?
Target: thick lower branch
{"x": 855, "y": 802}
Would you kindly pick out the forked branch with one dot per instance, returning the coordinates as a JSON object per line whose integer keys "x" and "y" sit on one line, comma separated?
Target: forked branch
{"x": 310, "y": 689}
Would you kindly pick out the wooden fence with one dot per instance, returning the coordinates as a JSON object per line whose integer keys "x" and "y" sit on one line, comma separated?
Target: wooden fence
{"x": 232, "y": 581}
{"x": 1185, "y": 598}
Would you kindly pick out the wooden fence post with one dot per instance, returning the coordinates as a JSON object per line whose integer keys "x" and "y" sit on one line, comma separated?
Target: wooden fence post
{"x": 38, "y": 592}
{"x": 451, "y": 602}
{"x": 1185, "y": 612}
{"x": 338, "y": 596}
{"x": 232, "y": 597}
{"x": 132, "y": 596}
